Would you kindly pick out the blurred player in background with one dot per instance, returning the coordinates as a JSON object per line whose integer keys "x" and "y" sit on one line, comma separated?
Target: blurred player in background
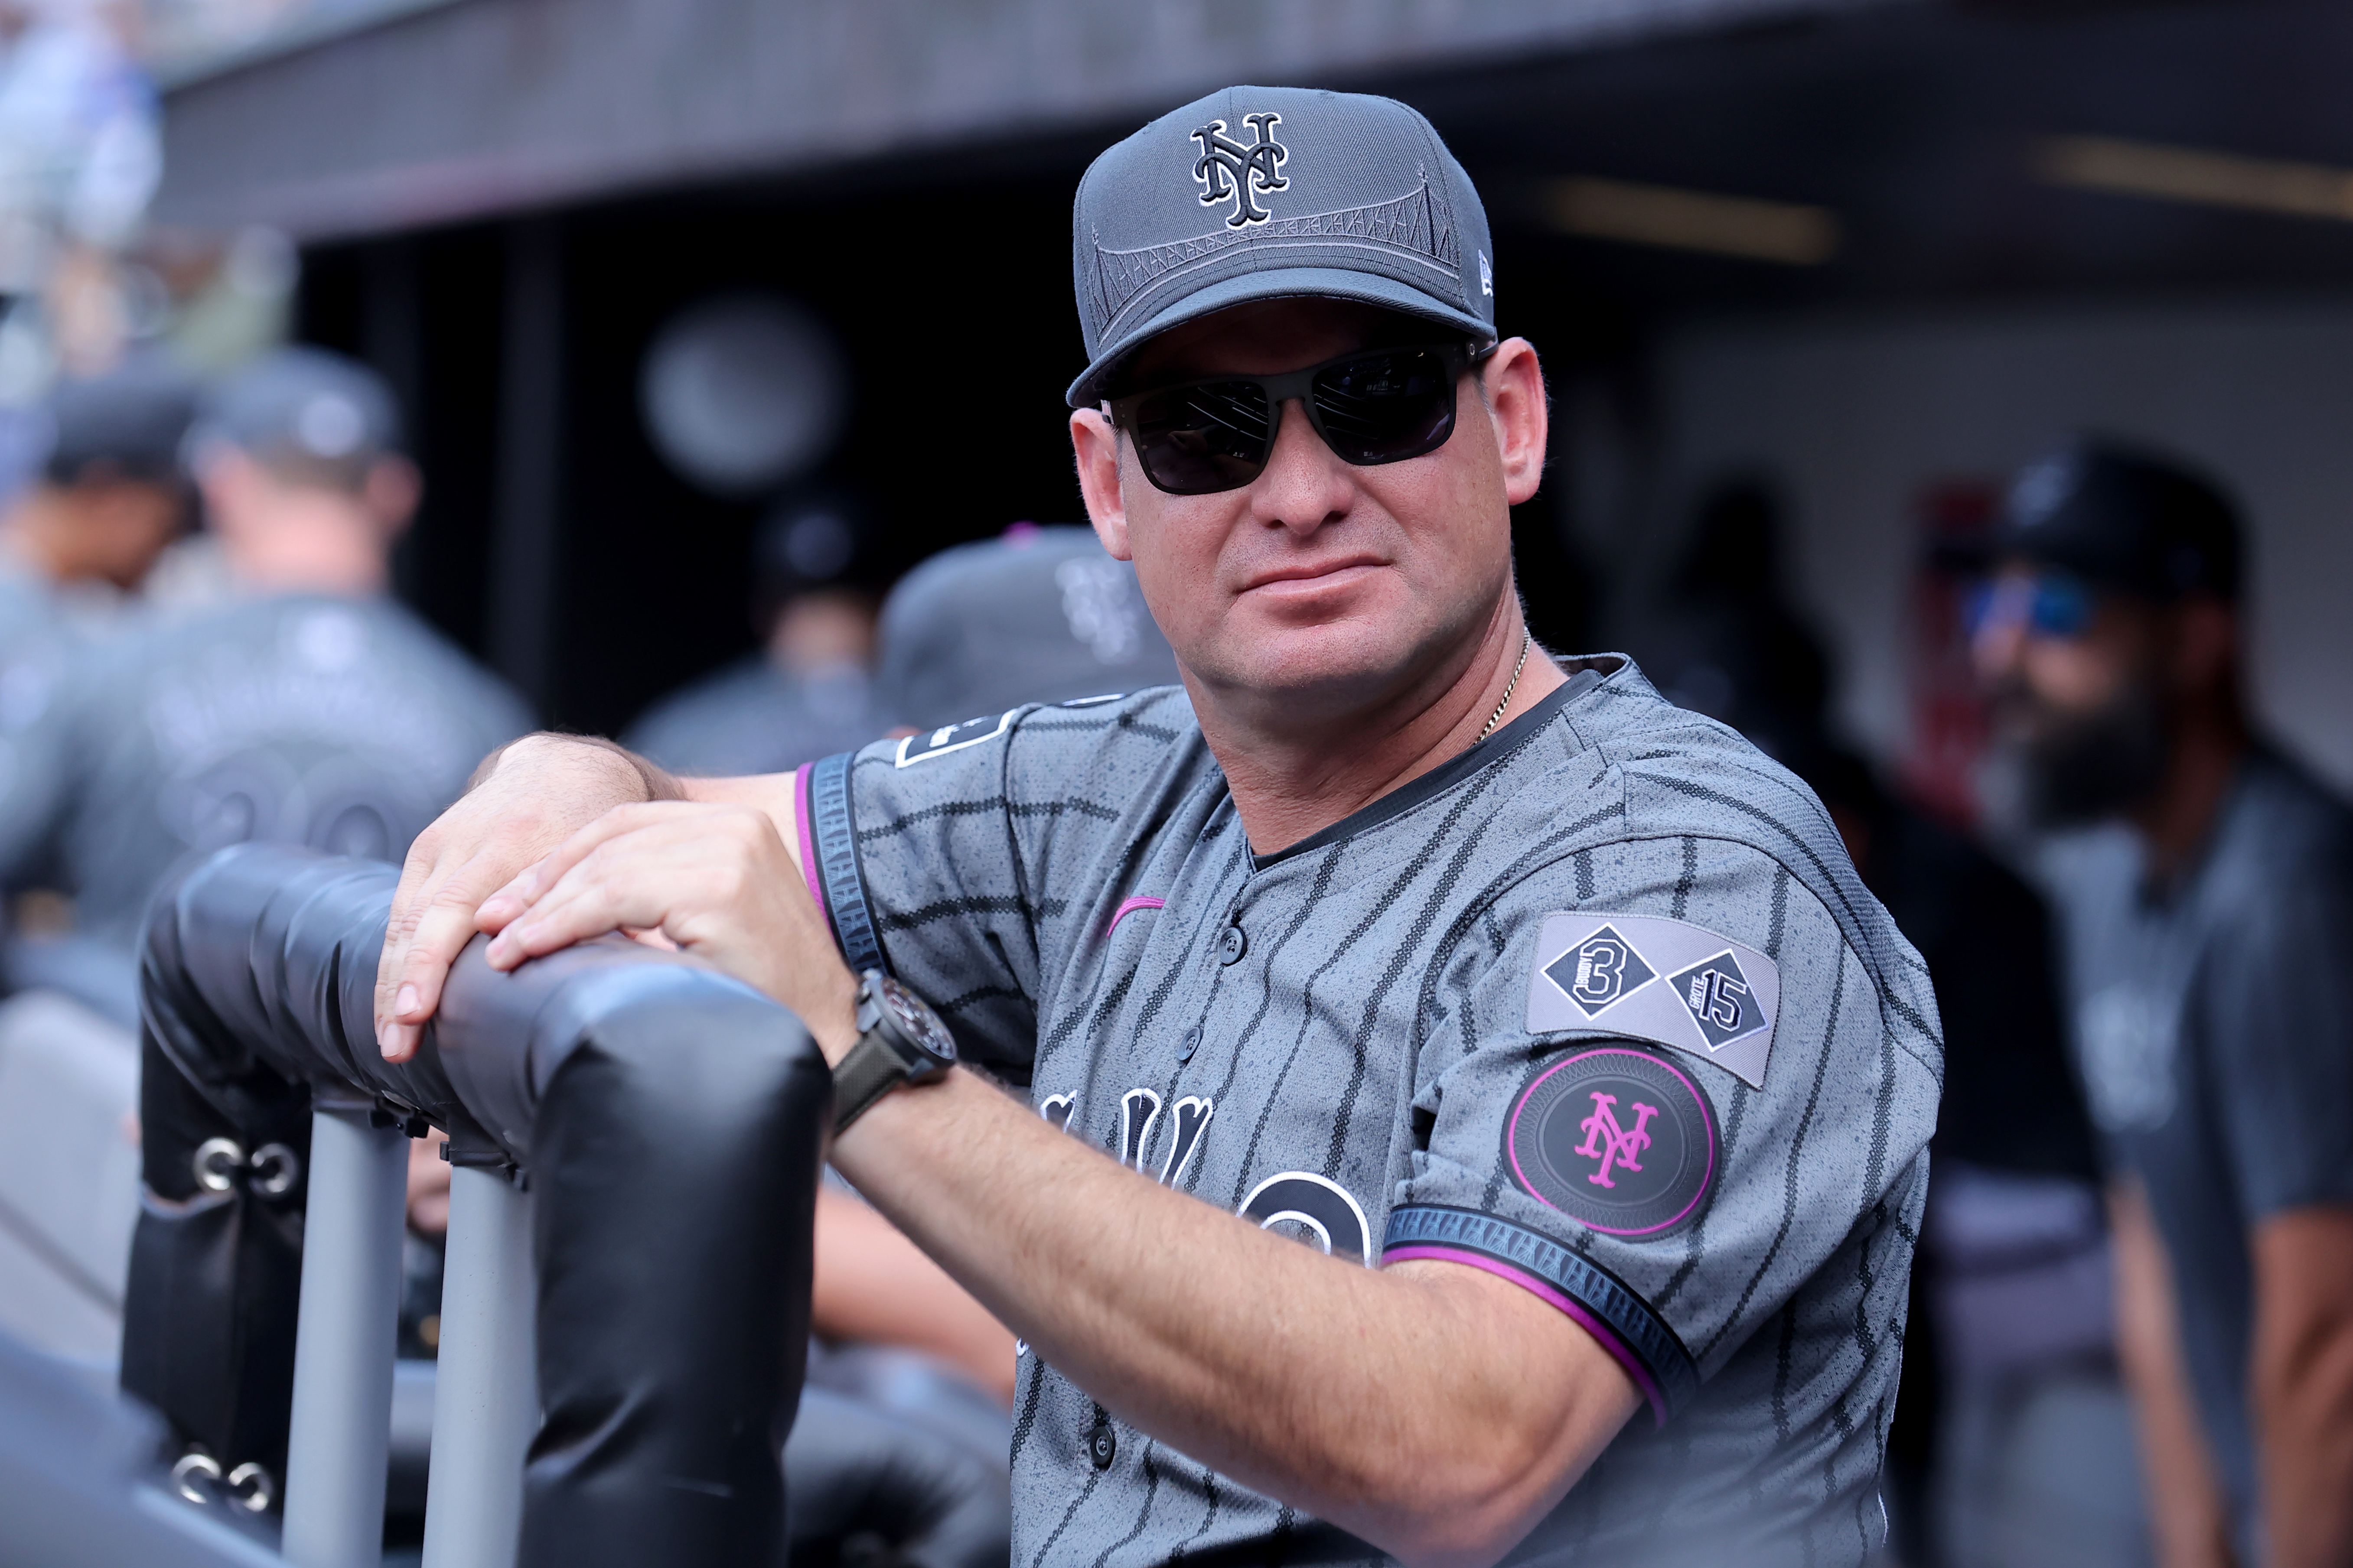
{"x": 1037, "y": 615}
{"x": 2204, "y": 882}
{"x": 76, "y": 544}
{"x": 308, "y": 709}
{"x": 110, "y": 494}
{"x": 809, "y": 691}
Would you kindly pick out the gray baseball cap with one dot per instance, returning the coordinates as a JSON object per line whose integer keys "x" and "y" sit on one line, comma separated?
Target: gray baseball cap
{"x": 311, "y": 414}
{"x": 1038, "y": 614}
{"x": 1272, "y": 193}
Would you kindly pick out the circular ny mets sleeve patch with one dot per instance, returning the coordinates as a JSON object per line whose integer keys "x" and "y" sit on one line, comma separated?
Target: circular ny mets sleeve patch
{"x": 1614, "y": 1137}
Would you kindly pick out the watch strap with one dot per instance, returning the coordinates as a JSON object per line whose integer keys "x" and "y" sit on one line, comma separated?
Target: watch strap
{"x": 870, "y": 1071}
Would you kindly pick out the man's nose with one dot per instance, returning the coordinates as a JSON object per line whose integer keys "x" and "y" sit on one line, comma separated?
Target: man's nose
{"x": 1304, "y": 482}
{"x": 1996, "y": 647}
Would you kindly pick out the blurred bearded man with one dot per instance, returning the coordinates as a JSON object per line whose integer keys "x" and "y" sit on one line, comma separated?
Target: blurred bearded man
{"x": 2207, "y": 901}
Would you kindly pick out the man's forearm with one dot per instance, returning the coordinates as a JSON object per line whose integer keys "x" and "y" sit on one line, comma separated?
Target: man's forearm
{"x": 2302, "y": 1370}
{"x": 1373, "y": 1399}
{"x": 2186, "y": 1513}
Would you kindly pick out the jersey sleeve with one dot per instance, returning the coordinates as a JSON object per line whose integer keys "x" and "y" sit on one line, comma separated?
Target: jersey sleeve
{"x": 1666, "y": 1093}
{"x": 2280, "y": 1028}
{"x": 965, "y": 860}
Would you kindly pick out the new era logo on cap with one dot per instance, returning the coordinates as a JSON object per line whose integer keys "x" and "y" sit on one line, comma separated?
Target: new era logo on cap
{"x": 1272, "y": 193}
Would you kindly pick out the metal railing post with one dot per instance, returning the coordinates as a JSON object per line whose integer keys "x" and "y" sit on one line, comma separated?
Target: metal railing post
{"x": 486, "y": 1396}
{"x": 340, "y": 1425}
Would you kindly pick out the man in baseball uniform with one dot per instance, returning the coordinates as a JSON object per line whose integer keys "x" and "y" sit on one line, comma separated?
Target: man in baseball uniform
{"x": 1552, "y": 1019}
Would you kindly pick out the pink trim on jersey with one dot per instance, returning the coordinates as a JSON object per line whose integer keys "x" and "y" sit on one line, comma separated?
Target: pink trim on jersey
{"x": 808, "y": 836}
{"x": 1129, "y": 907}
{"x": 1601, "y": 1332}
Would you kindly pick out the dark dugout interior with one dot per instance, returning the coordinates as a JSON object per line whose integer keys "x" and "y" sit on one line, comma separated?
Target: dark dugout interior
{"x": 515, "y": 345}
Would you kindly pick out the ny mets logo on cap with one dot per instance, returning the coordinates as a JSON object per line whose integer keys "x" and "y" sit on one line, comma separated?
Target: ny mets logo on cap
{"x": 1664, "y": 980}
{"x": 1616, "y": 1137}
{"x": 1228, "y": 170}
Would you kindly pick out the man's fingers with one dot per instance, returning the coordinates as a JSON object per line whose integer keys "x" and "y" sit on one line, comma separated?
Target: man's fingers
{"x": 571, "y": 912}
{"x": 440, "y": 934}
{"x": 510, "y": 900}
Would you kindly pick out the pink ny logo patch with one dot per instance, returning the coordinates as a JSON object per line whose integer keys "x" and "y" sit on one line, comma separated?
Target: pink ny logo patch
{"x": 1607, "y": 1142}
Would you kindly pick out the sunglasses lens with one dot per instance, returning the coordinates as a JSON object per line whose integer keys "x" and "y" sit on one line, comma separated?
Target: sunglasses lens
{"x": 2062, "y": 607}
{"x": 1389, "y": 406}
{"x": 1194, "y": 440}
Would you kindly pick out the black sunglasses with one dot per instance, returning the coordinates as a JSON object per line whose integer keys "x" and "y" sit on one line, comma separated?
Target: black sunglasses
{"x": 1375, "y": 405}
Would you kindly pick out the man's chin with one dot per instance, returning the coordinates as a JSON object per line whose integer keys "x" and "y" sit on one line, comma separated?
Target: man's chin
{"x": 1313, "y": 673}
{"x": 2092, "y": 771}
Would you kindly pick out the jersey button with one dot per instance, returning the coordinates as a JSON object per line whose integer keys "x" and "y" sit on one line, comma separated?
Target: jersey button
{"x": 1103, "y": 1447}
{"x": 1189, "y": 1043}
{"x": 1231, "y": 945}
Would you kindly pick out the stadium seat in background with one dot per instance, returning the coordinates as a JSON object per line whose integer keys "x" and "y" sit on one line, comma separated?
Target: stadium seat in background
{"x": 68, "y": 1176}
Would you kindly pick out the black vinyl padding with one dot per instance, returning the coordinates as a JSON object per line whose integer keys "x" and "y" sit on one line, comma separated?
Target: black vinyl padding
{"x": 671, "y": 1121}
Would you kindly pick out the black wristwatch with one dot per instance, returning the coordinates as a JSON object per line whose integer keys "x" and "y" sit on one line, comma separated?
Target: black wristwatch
{"x": 900, "y": 1040}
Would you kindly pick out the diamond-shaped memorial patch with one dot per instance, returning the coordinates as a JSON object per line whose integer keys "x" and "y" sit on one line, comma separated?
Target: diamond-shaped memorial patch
{"x": 1600, "y": 970}
{"x": 1718, "y": 997}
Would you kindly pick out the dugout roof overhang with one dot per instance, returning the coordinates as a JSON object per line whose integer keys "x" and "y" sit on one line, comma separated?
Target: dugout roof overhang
{"x": 1908, "y": 147}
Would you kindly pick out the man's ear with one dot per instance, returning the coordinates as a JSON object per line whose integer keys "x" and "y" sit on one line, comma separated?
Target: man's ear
{"x": 1514, "y": 384}
{"x": 2205, "y": 644}
{"x": 1094, "y": 443}
{"x": 228, "y": 482}
{"x": 391, "y": 491}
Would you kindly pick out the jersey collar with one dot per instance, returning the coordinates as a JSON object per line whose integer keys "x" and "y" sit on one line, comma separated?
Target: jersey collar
{"x": 1484, "y": 753}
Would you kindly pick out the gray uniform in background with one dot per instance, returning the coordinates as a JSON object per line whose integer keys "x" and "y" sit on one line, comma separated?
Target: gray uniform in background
{"x": 1037, "y": 614}
{"x": 1599, "y": 1007}
{"x": 2215, "y": 1034}
{"x": 345, "y": 725}
{"x": 753, "y": 718}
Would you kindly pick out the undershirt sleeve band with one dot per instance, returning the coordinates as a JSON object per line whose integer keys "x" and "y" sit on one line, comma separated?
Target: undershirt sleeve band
{"x": 1650, "y": 1351}
{"x": 830, "y": 842}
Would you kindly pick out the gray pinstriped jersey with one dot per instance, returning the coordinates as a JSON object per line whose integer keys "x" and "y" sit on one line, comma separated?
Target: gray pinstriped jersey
{"x": 1361, "y": 1041}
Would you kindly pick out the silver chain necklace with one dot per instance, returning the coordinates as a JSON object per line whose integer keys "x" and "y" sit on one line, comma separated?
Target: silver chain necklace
{"x": 1497, "y": 716}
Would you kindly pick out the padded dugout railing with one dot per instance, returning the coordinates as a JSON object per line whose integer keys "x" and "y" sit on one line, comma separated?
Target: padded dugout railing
{"x": 624, "y": 1310}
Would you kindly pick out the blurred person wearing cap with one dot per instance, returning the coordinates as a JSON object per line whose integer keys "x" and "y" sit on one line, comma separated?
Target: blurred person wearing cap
{"x": 809, "y": 690}
{"x": 1036, "y": 615}
{"x": 83, "y": 537}
{"x": 308, "y": 708}
{"x": 110, "y": 495}
{"x": 77, "y": 546}
{"x": 1552, "y": 1020}
{"x": 2204, "y": 881}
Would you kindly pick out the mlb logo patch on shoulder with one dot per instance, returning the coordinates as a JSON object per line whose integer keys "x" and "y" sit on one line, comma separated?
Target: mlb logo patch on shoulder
{"x": 953, "y": 738}
{"x": 1667, "y": 982}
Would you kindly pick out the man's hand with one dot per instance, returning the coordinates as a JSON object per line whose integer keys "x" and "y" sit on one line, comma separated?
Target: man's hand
{"x": 538, "y": 792}
{"x": 716, "y": 879}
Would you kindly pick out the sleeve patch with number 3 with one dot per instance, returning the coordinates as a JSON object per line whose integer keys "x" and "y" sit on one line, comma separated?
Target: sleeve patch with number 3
{"x": 1668, "y": 981}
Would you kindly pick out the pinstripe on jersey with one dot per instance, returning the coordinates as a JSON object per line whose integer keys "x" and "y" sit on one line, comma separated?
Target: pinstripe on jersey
{"x": 1331, "y": 1038}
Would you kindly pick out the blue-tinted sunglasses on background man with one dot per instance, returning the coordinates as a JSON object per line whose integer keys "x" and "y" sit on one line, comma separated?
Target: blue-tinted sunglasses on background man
{"x": 2050, "y": 604}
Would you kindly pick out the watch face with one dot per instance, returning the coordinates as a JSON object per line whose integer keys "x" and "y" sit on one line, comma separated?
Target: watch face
{"x": 916, "y": 1020}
